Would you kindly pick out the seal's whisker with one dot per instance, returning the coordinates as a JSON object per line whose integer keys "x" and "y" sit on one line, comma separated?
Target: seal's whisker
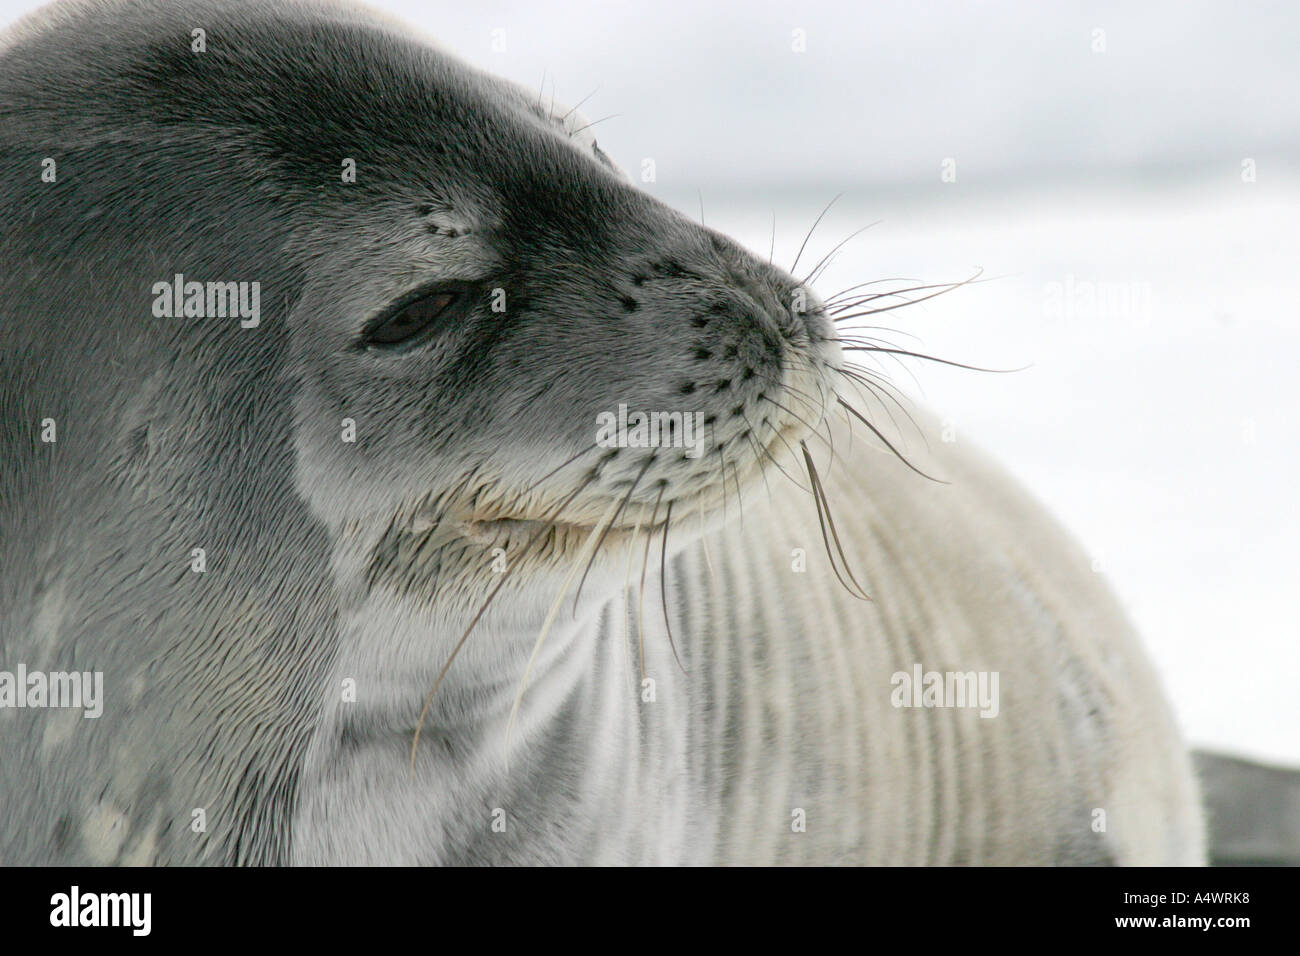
{"x": 825, "y": 260}
{"x": 754, "y": 449}
{"x": 663, "y": 585}
{"x": 578, "y": 105}
{"x": 879, "y": 394}
{"x": 811, "y": 230}
{"x": 838, "y": 313}
{"x": 844, "y": 305}
{"x": 704, "y": 541}
{"x": 593, "y": 123}
{"x": 627, "y": 590}
{"x": 824, "y": 264}
{"x": 782, "y": 380}
{"x": 626, "y": 498}
{"x": 856, "y": 336}
{"x": 798, "y": 393}
{"x": 740, "y": 497}
{"x": 590, "y": 544}
{"x": 797, "y": 417}
{"x": 564, "y": 464}
{"x": 825, "y": 520}
{"x": 878, "y": 382}
{"x": 862, "y": 285}
{"x": 847, "y": 344}
{"x": 876, "y": 431}
{"x": 919, "y": 287}
{"x": 713, "y": 441}
{"x": 820, "y": 414}
{"x": 943, "y": 288}
{"x": 778, "y": 465}
{"x": 640, "y": 598}
{"x": 930, "y": 358}
{"x": 548, "y": 525}
{"x": 857, "y": 330}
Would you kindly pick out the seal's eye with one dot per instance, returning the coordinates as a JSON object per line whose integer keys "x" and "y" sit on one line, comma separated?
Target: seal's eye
{"x": 406, "y": 324}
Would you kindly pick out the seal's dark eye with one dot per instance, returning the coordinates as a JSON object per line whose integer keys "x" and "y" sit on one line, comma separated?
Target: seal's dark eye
{"x": 405, "y": 324}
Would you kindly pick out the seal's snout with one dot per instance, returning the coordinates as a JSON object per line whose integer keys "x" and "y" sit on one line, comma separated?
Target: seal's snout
{"x": 777, "y": 300}
{"x": 766, "y": 302}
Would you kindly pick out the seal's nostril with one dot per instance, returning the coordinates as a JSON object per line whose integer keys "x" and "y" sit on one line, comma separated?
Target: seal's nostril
{"x": 773, "y": 304}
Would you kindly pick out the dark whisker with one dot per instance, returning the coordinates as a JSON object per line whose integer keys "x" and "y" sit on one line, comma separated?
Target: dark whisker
{"x": 838, "y": 246}
{"x": 605, "y": 531}
{"x": 564, "y": 464}
{"x": 825, "y": 520}
{"x": 787, "y": 367}
{"x": 578, "y": 105}
{"x": 844, "y": 305}
{"x": 645, "y": 562}
{"x": 931, "y": 358}
{"x": 754, "y": 450}
{"x": 856, "y": 329}
{"x": 795, "y": 264}
{"x": 789, "y": 411}
{"x": 943, "y": 290}
{"x": 863, "y": 285}
{"x": 740, "y": 498}
{"x": 663, "y": 585}
{"x": 713, "y": 434}
{"x": 849, "y": 343}
{"x": 593, "y": 123}
{"x": 876, "y": 431}
{"x": 880, "y": 391}
{"x": 794, "y": 480}
{"x": 547, "y": 526}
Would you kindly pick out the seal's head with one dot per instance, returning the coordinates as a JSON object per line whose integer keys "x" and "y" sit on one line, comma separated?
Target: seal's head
{"x": 490, "y": 302}
{"x": 464, "y": 309}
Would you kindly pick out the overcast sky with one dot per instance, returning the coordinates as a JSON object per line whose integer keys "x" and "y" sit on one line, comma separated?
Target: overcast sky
{"x": 886, "y": 90}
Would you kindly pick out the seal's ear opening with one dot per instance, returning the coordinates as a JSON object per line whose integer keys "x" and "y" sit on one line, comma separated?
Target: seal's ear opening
{"x": 410, "y": 321}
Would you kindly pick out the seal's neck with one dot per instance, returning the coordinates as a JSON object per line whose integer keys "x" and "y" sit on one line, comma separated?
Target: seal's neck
{"x": 581, "y": 732}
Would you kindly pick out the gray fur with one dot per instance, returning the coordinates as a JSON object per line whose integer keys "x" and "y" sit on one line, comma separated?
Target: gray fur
{"x": 332, "y": 562}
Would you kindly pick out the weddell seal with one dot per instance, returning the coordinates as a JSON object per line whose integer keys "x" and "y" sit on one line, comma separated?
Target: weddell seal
{"x": 346, "y": 394}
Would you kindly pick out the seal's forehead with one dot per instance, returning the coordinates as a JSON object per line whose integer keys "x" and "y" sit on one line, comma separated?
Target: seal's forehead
{"x": 571, "y": 122}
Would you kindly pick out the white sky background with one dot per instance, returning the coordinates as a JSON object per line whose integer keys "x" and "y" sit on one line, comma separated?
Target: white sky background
{"x": 1161, "y": 430}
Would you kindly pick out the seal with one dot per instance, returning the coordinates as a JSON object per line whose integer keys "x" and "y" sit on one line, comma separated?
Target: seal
{"x": 420, "y": 491}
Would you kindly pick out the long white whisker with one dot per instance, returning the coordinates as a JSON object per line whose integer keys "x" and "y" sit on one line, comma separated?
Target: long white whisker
{"x": 704, "y": 539}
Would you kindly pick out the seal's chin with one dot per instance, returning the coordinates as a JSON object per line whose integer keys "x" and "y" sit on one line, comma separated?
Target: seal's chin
{"x": 625, "y": 525}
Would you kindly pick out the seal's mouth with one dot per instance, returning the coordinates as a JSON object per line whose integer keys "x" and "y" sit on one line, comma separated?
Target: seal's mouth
{"x": 716, "y": 487}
